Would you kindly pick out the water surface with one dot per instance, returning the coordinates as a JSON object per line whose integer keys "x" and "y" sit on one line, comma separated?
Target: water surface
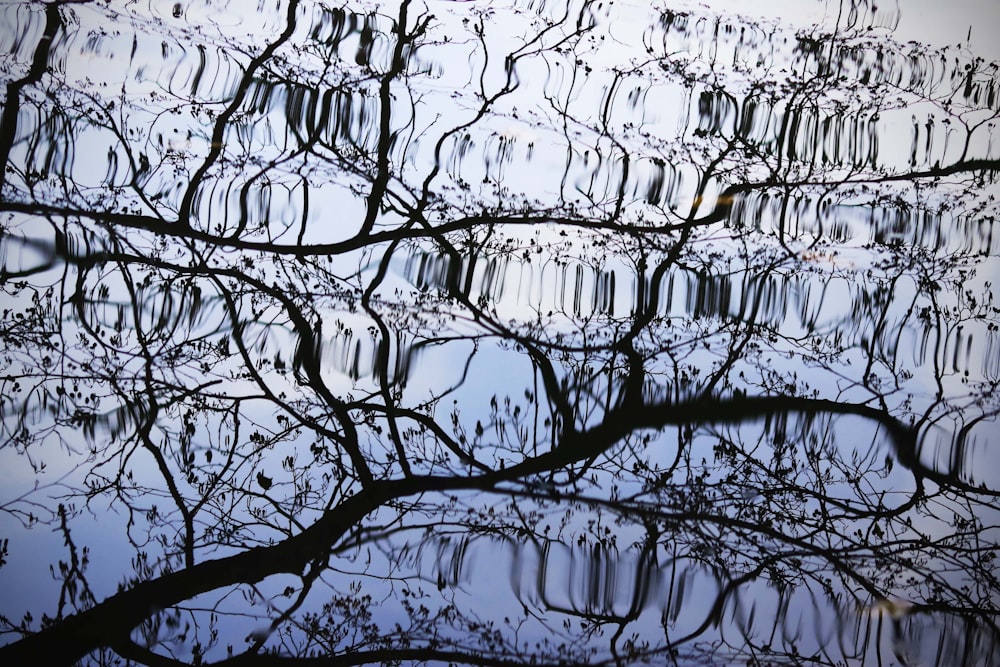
{"x": 478, "y": 333}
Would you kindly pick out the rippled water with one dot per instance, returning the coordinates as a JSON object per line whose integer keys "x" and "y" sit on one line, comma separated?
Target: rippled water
{"x": 481, "y": 333}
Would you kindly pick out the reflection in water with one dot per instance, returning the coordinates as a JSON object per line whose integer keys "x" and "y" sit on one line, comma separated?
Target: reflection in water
{"x": 798, "y": 133}
{"x": 543, "y": 333}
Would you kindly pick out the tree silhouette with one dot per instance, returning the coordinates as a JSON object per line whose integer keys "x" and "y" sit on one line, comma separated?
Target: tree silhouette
{"x": 526, "y": 335}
